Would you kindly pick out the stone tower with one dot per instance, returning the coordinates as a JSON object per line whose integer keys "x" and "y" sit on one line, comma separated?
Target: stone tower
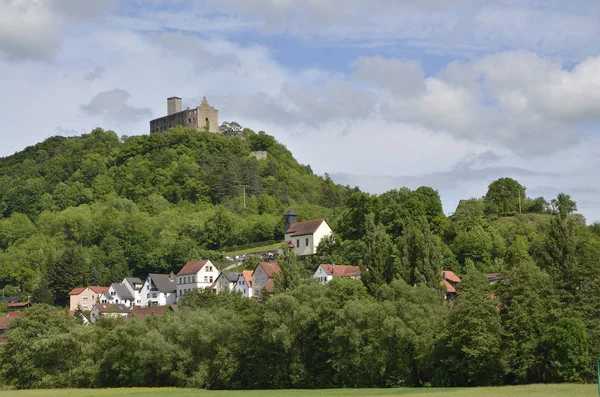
{"x": 208, "y": 117}
{"x": 289, "y": 218}
{"x": 173, "y": 105}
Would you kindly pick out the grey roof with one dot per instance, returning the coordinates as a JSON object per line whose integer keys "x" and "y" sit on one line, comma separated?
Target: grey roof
{"x": 122, "y": 291}
{"x": 290, "y": 212}
{"x": 10, "y": 299}
{"x": 134, "y": 280}
{"x": 163, "y": 282}
{"x": 230, "y": 276}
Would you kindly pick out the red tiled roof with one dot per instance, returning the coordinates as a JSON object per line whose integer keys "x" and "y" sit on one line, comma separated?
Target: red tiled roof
{"x": 5, "y": 322}
{"x": 270, "y": 268}
{"x": 304, "y": 228}
{"x": 449, "y": 287}
{"x": 450, "y": 276}
{"x": 98, "y": 290}
{"x": 290, "y": 244}
{"x": 270, "y": 287}
{"x": 13, "y": 314}
{"x": 77, "y": 291}
{"x": 145, "y": 312}
{"x": 342, "y": 270}
{"x": 247, "y": 274}
{"x": 192, "y": 267}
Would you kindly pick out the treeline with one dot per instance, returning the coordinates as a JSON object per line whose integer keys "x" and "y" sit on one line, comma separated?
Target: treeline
{"x": 90, "y": 210}
{"x": 314, "y": 336}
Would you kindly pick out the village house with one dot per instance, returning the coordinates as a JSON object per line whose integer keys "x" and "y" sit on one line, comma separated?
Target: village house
{"x": 118, "y": 293}
{"x": 304, "y": 237}
{"x": 196, "y": 275}
{"x": 116, "y": 310}
{"x": 16, "y": 306}
{"x": 262, "y": 278}
{"x": 225, "y": 281}
{"x": 134, "y": 285}
{"x": 450, "y": 281}
{"x": 244, "y": 284}
{"x": 326, "y": 273}
{"x": 158, "y": 290}
{"x": 85, "y": 297}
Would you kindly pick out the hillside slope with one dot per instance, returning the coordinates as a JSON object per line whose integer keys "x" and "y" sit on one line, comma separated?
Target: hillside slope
{"x": 145, "y": 203}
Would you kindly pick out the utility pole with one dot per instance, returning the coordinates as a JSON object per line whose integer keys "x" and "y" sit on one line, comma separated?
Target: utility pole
{"x": 519, "y": 201}
{"x": 244, "y": 186}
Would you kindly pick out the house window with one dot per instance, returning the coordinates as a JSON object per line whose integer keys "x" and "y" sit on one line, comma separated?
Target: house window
{"x": 84, "y": 298}
{"x": 165, "y": 294}
{"x": 84, "y": 306}
{"x": 298, "y": 243}
{"x": 154, "y": 295}
{"x": 147, "y": 295}
{"x": 306, "y": 242}
{"x": 193, "y": 279}
{"x": 206, "y": 279}
{"x": 210, "y": 279}
{"x": 209, "y": 268}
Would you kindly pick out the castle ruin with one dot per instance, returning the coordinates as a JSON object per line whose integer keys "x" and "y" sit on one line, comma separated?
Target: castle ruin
{"x": 201, "y": 118}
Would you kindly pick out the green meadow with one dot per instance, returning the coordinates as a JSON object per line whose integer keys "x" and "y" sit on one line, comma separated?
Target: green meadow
{"x": 563, "y": 390}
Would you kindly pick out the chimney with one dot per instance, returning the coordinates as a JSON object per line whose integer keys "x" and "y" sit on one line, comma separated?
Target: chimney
{"x": 173, "y": 105}
{"x": 172, "y": 276}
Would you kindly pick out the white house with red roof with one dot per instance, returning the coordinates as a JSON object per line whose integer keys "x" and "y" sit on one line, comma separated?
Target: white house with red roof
{"x": 85, "y": 297}
{"x": 325, "y": 273}
{"x": 304, "y": 237}
{"x": 244, "y": 284}
{"x": 196, "y": 275}
{"x": 263, "y": 278}
{"x": 450, "y": 281}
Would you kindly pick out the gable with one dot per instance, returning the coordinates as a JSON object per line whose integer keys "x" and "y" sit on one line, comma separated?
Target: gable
{"x": 304, "y": 228}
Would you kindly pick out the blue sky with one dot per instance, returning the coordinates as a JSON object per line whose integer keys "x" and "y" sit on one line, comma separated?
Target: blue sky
{"x": 381, "y": 93}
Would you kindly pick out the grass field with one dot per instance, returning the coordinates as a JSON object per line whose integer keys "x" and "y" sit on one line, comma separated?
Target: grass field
{"x": 507, "y": 391}
{"x": 264, "y": 248}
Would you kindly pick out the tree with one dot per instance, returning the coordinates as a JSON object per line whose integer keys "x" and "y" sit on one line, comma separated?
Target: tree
{"x": 567, "y": 352}
{"x": 504, "y": 196}
{"x": 42, "y": 293}
{"x": 528, "y": 304}
{"x": 291, "y": 271}
{"x": 69, "y": 271}
{"x": 470, "y": 352}
{"x": 563, "y": 205}
{"x": 420, "y": 254}
{"x": 377, "y": 265}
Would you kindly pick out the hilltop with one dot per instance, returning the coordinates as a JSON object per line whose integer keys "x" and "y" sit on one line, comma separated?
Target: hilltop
{"x": 117, "y": 206}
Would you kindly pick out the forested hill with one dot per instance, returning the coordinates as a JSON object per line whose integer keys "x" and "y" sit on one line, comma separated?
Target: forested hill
{"x": 116, "y": 206}
{"x": 93, "y": 209}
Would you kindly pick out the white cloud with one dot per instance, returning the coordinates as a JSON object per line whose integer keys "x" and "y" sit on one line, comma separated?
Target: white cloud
{"x": 519, "y": 100}
{"x": 33, "y": 29}
{"x": 112, "y": 106}
{"x": 512, "y": 113}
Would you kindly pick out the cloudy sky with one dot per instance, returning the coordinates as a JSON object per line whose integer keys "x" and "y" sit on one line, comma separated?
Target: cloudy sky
{"x": 378, "y": 93}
